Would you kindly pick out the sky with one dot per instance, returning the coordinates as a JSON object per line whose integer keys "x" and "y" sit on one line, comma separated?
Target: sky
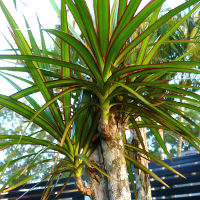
{"x": 48, "y": 18}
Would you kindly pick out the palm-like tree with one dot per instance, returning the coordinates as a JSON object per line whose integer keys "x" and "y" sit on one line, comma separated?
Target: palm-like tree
{"x": 182, "y": 45}
{"x": 104, "y": 83}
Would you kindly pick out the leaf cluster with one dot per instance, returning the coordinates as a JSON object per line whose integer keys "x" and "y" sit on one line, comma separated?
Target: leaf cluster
{"x": 110, "y": 68}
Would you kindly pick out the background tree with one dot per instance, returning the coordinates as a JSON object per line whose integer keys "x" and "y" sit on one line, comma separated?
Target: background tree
{"x": 181, "y": 45}
{"x": 12, "y": 123}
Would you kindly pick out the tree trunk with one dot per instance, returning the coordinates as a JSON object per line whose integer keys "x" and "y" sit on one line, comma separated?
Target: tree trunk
{"x": 97, "y": 185}
{"x": 98, "y": 182}
{"x": 114, "y": 160}
{"x": 162, "y": 136}
{"x": 180, "y": 141}
{"x": 180, "y": 144}
{"x": 143, "y": 186}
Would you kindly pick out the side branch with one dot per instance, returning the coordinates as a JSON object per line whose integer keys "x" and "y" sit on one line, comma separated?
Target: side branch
{"x": 83, "y": 189}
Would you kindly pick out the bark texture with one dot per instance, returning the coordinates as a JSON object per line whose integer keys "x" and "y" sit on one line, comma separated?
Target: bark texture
{"x": 114, "y": 161}
{"x": 97, "y": 184}
{"x": 162, "y": 136}
{"x": 143, "y": 186}
{"x": 82, "y": 188}
{"x": 180, "y": 140}
{"x": 180, "y": 144}
{"x": 97, "y": 181}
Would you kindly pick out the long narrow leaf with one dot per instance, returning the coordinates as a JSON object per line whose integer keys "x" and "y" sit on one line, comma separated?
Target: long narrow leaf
{"x": 103, "y": 23}
{"x": 127, "y": 32}
{"x": 170, "y": 32}
{"x": 65, "y": 56}
{"x": 153, "y": 27}
{"x": 47, "y": 60}
{"x": 153, "y": 158}
{"x": 81, "y": 49}
{"x": 132, "y": 160}
{"x": 89, "y": 27}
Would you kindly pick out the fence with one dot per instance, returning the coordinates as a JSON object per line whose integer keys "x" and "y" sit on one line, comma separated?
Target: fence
{"x": 34, "y": 191}
{"x": 180, "y": 189}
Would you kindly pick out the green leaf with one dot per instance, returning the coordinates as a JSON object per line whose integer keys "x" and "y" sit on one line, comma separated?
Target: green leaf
{"x": 153, "y": 158}
{"x": 103, "y": 24}
{"x": 27, "y": 112}
{"x": 15, "y": 3}
{"x": 122, "y": 8}
{"x": 65, "y": 137}
{"x": 137, "y": 131}
{"x": 131, "y": 177}
{"x": 65, "y": 184}
{"x": 19, "y": 184}
{"x": 49, "y": 187}
{"x": 34, "y": 46}
{"x": 46, "y": 60}
{"x": 89, "y": 27}
{"x": 101, "y": 171}
{"x": 15, "y": 28}
{"x": 184, "y": 105}
{"x": 135, "y": 70}
{"x": 23, "y": 69}
{"x": 55, "y": 6}
{"x": 144, "y": 45}
{"x": 16, "y": 160}
{"x": 44, "y": 48}
{"x": 16, "y": 77}
{"x": 34, "y": 141}
{"x": 169, "y": 32}
{"x": 11, "y": 46}
{"x": 186, "y": 117}
{"x": 82, "y": 51}
{"x": 32, "y": 66}
{"x": 55, "y": 84}
{"x": 33, "y": 160}
{"x": 143, "y": 168}
{"x": 164, "y": 115}
{"x": 137, "y": 95}
{"x": 129, "y": 12}
{"x": 35, "y": 105}
{"x": 150, "y": 29}
{"x": 113, "y": 16}
{"x": 89, "y": 137}
{"x": 85, "y": 159}
{"x": 187, "y": 53}
{"x": 123, "y": 36}
{"x": 78, "y": 19}
{"x": 65, "y": 56}
{"x": 158, "y": 138}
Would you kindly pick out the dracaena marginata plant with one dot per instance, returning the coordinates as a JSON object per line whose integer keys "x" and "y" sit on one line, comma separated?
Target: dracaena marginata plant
{"x": 100, "y": 83}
